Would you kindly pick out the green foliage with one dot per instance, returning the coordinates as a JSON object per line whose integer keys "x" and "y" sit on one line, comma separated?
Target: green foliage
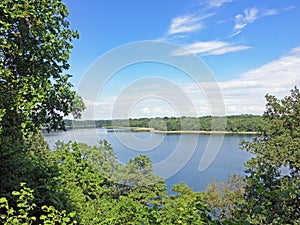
{"x": 184, "y": 207}
{"x": 2, "y": 113}
{"x": 77, "y": 106}
{"x": 272, "y": 188}
{"x": 23, "y": 212}
{"x": 52, "y": 216}
{"x": 92, "y": 179}
{"x": 35, "y": 43}
{"x": 123, "y": 210}
{"x": 78, "y": 178}
{"x": 246, "y": 123}
{"x": 224, "y": 198}
{"x": 24, "y": 206}
{"x": 34, "y": 167}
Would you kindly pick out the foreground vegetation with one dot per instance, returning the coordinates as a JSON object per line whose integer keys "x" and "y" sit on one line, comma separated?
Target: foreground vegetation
{"x": 80, "y": 184}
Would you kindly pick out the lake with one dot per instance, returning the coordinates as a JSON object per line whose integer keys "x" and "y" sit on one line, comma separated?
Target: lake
{"x": 195, "y": 159}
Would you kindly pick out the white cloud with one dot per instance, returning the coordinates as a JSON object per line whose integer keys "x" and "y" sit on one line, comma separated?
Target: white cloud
{"x": 246, "y": 93}
{"x": 90, "y": 103}
{"x": 249, "y": 16}
{"x": 295, "y": 51}
{"x": 209, "y": 48}
{"x": 187, "y": 24}
{"x": 157, "y": 110}
{"x": 98, "y": 109}
{"x": 146, "y": 110}
{"x": 218, "y": 3}
{"x": 193, "y": 22}
{"x": 242, "y": 20}
{"x": 227, "y": 49}
{"x": 270, "y": 12}
{"x": 278, "y": 75}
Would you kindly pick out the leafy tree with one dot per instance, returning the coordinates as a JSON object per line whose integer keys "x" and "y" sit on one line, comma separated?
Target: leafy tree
{"x": 35, "y": 43}
{"x": 184, "y": 207}
{"x": 224, "y": 198}
{"x": 78, "y": 179}
{"x": 141, "y": 184}
{"x": 273, "y": 181}
{"x": 22, "y": 213}
{"x": 31, "y": 165}
{"x": 101, "y": 190}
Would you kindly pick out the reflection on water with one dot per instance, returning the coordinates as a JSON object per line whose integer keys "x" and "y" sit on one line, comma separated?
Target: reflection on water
{"x": 159, "y": 147}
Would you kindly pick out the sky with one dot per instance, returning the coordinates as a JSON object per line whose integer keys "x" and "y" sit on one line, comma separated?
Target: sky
{"x": 244, "y": 50}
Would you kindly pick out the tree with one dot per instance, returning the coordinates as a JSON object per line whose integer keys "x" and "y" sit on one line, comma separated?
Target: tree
{"x": 82, "y": 171}
{"x": 22, "y": 213}
{"x": 224, "y": 198}
{"x": 273, "y": 175}
{"x": 35, "y": 43}
{"x": 97, "y": 189}
{"x": 183, "y": 207}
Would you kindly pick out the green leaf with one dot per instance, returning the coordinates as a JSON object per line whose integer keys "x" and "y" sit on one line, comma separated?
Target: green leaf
{"x": 3, "y": 200}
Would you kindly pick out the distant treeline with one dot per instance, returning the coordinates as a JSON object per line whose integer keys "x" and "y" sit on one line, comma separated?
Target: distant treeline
{"x": 235, "y": 123}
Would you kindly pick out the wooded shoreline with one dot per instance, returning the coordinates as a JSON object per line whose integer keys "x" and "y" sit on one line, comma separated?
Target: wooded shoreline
{"x": 234, "y": 124}
{"x": 152, "y": 130}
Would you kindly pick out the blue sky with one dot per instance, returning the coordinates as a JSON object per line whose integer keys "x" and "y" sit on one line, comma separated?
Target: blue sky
{"x": 251, "y": 47}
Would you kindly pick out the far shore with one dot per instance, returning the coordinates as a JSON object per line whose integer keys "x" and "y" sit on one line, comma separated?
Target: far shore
{"x": 147, "y": 129}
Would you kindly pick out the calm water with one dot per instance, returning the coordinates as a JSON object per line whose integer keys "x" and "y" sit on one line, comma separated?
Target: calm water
{"x": 176, "y": 157}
